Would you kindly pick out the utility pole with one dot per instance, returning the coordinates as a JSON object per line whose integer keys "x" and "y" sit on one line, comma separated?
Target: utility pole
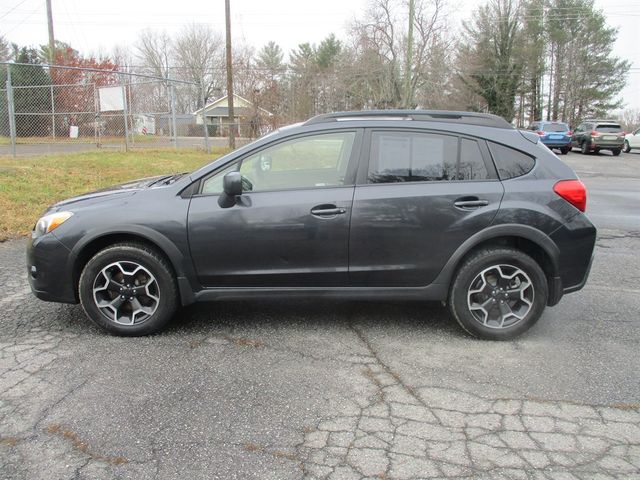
{"x": 52, "y": 52}
{"x": 408, "y": 94}
{"x": 232, "y": 133}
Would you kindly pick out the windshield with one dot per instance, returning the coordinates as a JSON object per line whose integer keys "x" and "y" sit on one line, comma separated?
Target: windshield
{"x": 608, "y": 128}
{"x": 555, "y": 127}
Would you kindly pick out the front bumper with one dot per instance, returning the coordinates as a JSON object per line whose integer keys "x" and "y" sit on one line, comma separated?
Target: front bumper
{"x": 48, "y": 271}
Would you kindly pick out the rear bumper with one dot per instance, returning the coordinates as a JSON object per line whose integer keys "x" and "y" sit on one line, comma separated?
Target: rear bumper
{"x": 576, "y": 241}
{"x": 605, "y": 145}
{"x": 557, "y": 143}
{"x": 48, "y": 271}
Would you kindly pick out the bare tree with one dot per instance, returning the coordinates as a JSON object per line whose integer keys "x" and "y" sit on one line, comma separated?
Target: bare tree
{"x": 629, "y": 119}
{"x": 199, "y": 52}
{"x": 379, "y": 41}
{"x": 153, "y": 50}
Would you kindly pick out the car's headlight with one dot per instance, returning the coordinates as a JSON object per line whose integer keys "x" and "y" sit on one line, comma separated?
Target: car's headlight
{"x": 50, "y": 222}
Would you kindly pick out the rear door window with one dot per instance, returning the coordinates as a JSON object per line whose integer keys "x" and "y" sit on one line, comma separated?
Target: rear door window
{"x": 412, "y": 157}
{"x": 472, "y": 166}
{"x": 398, "y": 156}
{"x": 510, "y": 163}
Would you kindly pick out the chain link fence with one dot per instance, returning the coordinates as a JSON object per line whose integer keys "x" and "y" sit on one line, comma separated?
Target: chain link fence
{"x": 50, "y": 109}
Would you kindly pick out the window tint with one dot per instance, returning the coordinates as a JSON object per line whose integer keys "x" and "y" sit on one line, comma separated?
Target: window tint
{"x": 510, "y": 163}
{"x": 472, "y": 166}
{"x": 555, "y": 127}
{"x": 412, "y": 157}
{"x": 313, "y": 161}
{"x": 608, "y": 128}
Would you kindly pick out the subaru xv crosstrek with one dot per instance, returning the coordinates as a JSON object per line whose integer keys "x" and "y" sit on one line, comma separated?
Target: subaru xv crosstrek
{"x": 454, "y": 207}
{"x": 593, "y": 136}
{"x": 555, "y": 135}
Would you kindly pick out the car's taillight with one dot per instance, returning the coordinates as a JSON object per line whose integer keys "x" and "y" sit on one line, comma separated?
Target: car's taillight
{"x": 595, "y": 134}
{"x": 541, "y": 133}
{"x": 574, "y": 192}
{"x": 570, "y": 132}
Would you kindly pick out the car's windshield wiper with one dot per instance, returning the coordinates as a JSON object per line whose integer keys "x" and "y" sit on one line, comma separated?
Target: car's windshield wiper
{"x": 168, "y": 179}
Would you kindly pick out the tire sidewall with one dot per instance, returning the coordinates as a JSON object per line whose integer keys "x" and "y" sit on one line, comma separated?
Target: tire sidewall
{"x": 469, "y": 271}
{"x": 166, "y": 286}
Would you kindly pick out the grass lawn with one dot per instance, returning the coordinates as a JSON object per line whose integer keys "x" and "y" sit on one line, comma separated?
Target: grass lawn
{"x": 28, "y": 185}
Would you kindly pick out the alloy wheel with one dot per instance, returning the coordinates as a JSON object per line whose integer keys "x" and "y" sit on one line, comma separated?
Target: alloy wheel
{"x": 500, "y": 296}
{"x": 126, "y": 293}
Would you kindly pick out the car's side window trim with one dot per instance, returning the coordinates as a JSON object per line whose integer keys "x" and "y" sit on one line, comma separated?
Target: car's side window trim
{"x": 349, "y": 174}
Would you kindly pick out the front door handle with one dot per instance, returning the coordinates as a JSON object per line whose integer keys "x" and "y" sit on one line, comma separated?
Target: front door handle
{"x": 471, "y": 203}
{"x": 327, "y": 211}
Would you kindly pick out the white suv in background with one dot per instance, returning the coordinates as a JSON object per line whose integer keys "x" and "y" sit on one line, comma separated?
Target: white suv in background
{"x": 632, "y": 140}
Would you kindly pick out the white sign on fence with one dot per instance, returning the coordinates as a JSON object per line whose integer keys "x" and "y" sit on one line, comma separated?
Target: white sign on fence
{"x": 111, "y": 98}
{"x": 73, "y": 131}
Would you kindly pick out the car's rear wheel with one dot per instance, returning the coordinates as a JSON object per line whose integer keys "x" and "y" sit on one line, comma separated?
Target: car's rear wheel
{"x": 565, "y": 150}
{"x": 128, "y": 289}
{"x": 584, "y": 148}
{"x": 498, "y": 293}
{"x": 616, "y": 152}
{"x": 627, "y": 147}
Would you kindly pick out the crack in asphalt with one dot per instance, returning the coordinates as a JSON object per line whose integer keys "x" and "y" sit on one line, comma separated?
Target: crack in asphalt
{"x": 380, "y": 426}
{"x": 402, "y": 431}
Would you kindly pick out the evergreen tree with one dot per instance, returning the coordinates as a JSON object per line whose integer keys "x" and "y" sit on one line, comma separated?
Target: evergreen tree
{"x": 28, "y": 102}
{"x": 492, "y": 52}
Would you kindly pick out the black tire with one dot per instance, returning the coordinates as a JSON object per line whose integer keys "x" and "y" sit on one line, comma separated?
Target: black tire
{"x": 584, "y": 148}
{"x": 627, "y": 148}
{"x": 616, "y": 152}
{"x": 474, "y": 268}
{"x": 155, "y": 291}
{"x": 565, "y": 150}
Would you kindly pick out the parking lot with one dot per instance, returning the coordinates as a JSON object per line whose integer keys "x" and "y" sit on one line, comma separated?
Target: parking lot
{"x": 319, "y": 389}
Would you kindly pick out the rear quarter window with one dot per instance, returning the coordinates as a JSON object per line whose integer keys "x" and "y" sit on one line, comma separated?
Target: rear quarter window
{"x": 509, "y": 162}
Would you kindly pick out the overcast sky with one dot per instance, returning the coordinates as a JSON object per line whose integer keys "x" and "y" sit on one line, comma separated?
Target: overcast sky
{"x": 92, "y": 26}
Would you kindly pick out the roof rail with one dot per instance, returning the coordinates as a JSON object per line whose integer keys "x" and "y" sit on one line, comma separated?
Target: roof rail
{"x": 471, "y": 118}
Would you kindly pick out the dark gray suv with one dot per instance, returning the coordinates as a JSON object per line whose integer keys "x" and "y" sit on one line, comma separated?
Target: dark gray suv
{"x": 449, "y": 206}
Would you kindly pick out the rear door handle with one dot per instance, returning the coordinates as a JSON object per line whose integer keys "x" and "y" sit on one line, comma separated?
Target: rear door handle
{"x": 471, "y": 203}
{"x": 327, "y": 211}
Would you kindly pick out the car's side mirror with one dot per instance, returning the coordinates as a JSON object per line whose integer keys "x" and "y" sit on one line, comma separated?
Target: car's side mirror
{"x": 232, "y": 184}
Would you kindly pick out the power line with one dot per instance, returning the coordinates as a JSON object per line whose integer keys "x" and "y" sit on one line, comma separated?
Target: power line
{"x": 12, "y": 9}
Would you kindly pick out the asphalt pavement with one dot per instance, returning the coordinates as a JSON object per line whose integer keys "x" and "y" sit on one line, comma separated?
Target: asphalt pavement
{"x": 339, "y": 390}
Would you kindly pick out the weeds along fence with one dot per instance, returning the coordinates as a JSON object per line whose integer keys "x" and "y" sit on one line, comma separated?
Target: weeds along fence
{"x": 47, "y": 108}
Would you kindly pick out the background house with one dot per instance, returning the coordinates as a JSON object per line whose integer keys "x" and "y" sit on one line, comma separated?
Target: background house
{"x": 249, "y": 119}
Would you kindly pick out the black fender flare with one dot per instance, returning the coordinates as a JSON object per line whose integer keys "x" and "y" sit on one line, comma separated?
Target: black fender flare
{"x": 181, "y": 264}
{"x": 497, "y": 231}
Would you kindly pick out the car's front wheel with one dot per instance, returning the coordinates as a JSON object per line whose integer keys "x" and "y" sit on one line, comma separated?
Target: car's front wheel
{"x": 627, "y": 147}
{"x": 128, "y": 289}
{"x": 498, "y": 293}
